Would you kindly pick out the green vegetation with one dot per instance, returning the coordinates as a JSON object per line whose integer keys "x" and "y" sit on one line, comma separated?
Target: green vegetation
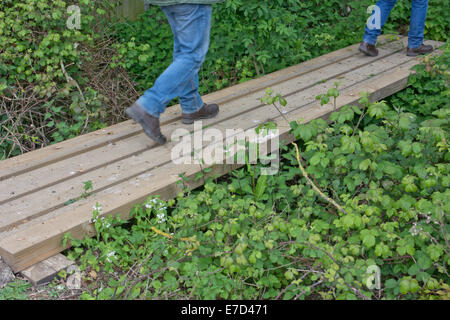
{"x": 367, "y": 193}
{"x": 54, "y": 79}
{"x": 15, "y": 290}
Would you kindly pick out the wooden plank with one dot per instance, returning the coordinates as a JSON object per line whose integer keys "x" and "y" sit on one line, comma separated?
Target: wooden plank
{"x": 78, "y": 165}
{"x": 26, "y": 208}
{"x": 46, "y": 270}
{"x": 34, "y": 205}
{"x": 65, "y": 149}
{"x": 31, "y": 244}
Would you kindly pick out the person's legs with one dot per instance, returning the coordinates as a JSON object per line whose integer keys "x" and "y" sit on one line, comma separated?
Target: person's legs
{"x": 191, "y": 100}
{"x": 190, "y": 97}
{"x": 417, "y": 26}
{"x": 190, "y": 25}
{"x": 371, "y": 35}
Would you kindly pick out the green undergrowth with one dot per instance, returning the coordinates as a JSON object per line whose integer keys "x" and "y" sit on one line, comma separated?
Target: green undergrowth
{"x": 367, "y": 219}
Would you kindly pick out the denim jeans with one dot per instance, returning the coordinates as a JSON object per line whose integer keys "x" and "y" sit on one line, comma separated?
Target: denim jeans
{"x": 190, "y": 24}
{"x": 417, "y": 23}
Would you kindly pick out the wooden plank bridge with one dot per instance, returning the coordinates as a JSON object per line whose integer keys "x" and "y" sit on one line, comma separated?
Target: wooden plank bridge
{"x": 126, "y": 167}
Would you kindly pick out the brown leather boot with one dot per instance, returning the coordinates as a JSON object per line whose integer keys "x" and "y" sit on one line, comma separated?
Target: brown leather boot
{"x": 423, "y": 49}
{"x": 149, "y": 123}
{"x": 206, "y": 112}
{"x": 368, "y": 49}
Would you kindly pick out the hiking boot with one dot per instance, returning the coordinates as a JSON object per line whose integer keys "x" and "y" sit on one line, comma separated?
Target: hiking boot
{"x": 423, "y": 49}
{"x": 149, "y": 123}
{"x": 368, "y": 49}
{"x": 206, "y": 112}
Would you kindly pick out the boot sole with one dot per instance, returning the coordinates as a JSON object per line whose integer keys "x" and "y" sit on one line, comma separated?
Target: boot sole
{"x": 367, "y": 53}
{"x": 417, "y": 54}
{"x": 191, "y": 121}
{"x": 136, "y": 118}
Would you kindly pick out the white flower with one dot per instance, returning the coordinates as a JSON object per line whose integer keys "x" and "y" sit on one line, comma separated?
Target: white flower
{"x": 97, "y": 207}
{"x": 161, "y": 217}
{"x": 109, "y": 255}
{"x": 151, "y": 203}
{"x": 414, "y": 231}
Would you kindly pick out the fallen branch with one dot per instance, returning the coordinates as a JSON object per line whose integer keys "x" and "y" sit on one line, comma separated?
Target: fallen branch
{"x": 305, "y": 175}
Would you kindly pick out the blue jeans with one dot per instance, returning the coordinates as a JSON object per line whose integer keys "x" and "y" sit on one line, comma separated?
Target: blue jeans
{"x": 417, "y": 24}
{"x": 191, "y": 25}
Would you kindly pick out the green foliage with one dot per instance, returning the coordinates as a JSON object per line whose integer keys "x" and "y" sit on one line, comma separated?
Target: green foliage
{"x": 87, "y": 190}
{"x": 45, "y": 94}
{"x": 333, "y": 92}
{"x": 250, "y": 236}
{"x": 52, "y": 78}
{"x": 15, "y": 290}
{"x": 428, "y": 88}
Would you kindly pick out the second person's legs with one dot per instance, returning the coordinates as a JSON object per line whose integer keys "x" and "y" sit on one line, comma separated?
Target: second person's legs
{"x": 417, "y": 25}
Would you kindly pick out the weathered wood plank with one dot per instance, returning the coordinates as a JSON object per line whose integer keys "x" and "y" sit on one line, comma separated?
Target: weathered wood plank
{"x": 46, "y": 270}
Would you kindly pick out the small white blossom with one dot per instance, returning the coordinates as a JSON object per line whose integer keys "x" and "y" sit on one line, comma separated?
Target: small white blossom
{"x": 151, "y": 203}
{"x": 161, "y": 217}
{"x": 110, "y": 255}
{"x": 414, "y": 231}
